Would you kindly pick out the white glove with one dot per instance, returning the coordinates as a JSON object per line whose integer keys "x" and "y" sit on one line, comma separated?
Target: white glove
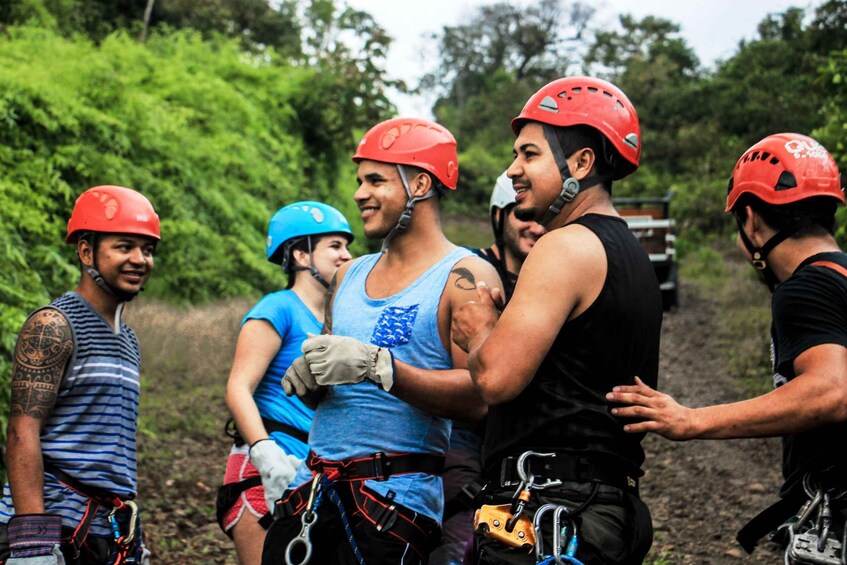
{"x": 276, "y": 467}
{"x": 298, "y": 379}
{"x": 339, "y": 360}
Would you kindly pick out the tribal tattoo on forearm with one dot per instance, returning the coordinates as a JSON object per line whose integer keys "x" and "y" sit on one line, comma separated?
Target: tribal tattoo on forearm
{"x": 465, "y": 279}
{"x": 44, "y": 347}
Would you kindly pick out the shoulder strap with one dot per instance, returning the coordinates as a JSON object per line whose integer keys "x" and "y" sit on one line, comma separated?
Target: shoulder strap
{"x": 830, "y": 265}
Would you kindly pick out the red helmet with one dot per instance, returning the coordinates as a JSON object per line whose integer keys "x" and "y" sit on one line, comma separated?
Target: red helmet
{"x": 113, "y": 209}
{"x": 414, "y": 142}
{"x": 784, "y": 168}
{"x": 574, "y": 101}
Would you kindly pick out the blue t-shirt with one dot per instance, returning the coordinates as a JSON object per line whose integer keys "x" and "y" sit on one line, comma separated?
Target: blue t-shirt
{"x": 291, "y": 319}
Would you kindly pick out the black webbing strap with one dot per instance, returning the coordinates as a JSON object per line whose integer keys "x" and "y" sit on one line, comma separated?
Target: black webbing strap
{"x": 568, "y": 467}
{"x": 769, "y": 519}
{"x": 378, "y": 466}
{"x": 271, "y": 426}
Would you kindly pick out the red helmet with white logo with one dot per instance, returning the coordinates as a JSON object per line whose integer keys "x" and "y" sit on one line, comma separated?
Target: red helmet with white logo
{"x": 785, "y": 168}
{"x": 589, "y": 101}
{"x": 113, "y": 209}
{"x": 415, "y": 142}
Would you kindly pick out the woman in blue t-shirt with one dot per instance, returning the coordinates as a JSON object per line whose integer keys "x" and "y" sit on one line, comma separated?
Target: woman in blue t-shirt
{"x": 309, "y": 240}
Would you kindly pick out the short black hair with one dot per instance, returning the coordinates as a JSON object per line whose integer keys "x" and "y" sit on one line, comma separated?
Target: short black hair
{"x": 573, "y": 138}
{"x": 818, "y": 212}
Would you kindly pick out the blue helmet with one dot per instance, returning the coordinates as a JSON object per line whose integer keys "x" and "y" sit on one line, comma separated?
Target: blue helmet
{"x": 302, "y": 219}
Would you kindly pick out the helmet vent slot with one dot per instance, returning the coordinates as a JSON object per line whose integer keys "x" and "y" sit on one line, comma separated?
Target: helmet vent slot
{"x": 786, "y": 181}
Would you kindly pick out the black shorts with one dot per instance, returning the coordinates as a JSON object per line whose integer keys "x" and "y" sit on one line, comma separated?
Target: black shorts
{"x": 382, "y": 534}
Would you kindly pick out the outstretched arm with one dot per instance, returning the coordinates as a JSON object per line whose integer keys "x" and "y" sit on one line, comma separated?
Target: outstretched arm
{"x": 815, "y": 397}
{"x": 42, "y": 353}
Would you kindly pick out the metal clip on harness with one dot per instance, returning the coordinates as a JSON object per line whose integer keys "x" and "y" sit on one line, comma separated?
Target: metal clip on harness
{"x": 123, "y": 542}
{"x": 310, "y": 516}
{"x": 814, "y": 543}
{"x": 508, "y": 523}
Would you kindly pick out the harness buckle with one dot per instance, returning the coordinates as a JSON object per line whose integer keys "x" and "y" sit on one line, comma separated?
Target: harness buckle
{"x": 381, "y": 465}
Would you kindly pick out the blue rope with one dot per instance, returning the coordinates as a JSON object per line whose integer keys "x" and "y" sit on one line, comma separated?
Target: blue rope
{"x": 333, "y": 496}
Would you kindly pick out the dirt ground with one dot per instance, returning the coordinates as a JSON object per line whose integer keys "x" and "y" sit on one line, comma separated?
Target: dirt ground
{"x": 700, "y": 493}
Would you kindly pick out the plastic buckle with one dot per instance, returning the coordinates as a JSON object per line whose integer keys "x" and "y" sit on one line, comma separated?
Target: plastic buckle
{"x": 381, "y": 466}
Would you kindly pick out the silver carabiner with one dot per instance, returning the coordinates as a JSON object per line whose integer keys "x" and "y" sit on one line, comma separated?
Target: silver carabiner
{"x": 310, "y": 516}
{"x": 558, "y": 550}
{"x": 524, "y": 475}
{"x": 536, "y": 524}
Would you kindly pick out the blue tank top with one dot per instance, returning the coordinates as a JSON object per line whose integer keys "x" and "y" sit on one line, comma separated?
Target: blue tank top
{"x": 90, "y": 435}
{"x": 361, "y": 419}
{"x": 291, "y": 319}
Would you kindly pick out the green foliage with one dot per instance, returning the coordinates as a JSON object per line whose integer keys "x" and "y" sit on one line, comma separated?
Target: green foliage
{"x": 217, "y": 138}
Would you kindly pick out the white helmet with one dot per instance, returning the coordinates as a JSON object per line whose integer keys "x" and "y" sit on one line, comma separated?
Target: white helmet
{"x": 503, "y": 194}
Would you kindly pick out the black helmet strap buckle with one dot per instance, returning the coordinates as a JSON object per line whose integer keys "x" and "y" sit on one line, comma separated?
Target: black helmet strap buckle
{"x": 570, "y": 186}
{"x": 759, "y": 255}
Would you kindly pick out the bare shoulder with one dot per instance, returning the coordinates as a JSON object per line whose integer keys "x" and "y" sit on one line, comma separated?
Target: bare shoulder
{"x": 573, "y": 247}
{"x": 45, "y": 345}
{"x": 467, "y": 272}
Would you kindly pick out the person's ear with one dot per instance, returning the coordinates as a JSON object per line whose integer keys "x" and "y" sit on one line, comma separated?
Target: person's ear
{"x": 420, "y": 185}
{"x": 85, "y": 251}
{"x": 581, "y": 163}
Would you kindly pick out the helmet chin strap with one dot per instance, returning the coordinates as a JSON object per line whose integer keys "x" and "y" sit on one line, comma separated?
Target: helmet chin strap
{"x": 760, "y": 254}
{"x": 570, "y": 186}
{"x": 94, "y": 273}
{"x": 406, "y": 215}
{"x": 311, "y": 268}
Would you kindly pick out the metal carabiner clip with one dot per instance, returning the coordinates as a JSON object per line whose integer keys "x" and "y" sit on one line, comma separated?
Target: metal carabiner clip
{"x": 310, "y": 516}
{"x": 524, "y": 474}
{"x": 536, "y": 524}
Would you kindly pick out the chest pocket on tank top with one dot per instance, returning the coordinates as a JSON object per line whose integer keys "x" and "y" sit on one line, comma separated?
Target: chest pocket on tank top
{"x": 394, "y": 326}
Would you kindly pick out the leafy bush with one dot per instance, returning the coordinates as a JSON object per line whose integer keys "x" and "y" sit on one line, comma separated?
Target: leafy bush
{"x": 216, "y": 138}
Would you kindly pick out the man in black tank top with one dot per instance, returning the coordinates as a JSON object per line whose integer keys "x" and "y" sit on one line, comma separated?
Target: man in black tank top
{"x": 462, "y": 477}
{"x": 585, "y": 316}
{"x": 784, "y": 192}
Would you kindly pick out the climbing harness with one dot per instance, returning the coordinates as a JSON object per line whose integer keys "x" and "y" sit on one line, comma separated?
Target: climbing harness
{"x": 811, "y": 534}
{"x": 128, "y": 546}
{"x": 320, "y": 485}
{"x": 508, "y": 523}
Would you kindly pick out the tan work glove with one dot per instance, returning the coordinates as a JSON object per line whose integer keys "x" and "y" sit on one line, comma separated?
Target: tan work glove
{"x": 340, "y": 360}
{"x": 298, "y": 379}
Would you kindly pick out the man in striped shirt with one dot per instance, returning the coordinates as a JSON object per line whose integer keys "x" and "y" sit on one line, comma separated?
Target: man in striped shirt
{"x": 71, "y": 450}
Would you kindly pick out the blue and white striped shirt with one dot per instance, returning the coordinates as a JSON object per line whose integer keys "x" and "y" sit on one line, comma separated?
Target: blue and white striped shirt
{"x": 91, "y": 433}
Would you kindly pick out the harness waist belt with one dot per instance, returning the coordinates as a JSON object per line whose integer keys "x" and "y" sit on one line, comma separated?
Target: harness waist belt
{"x": 378, "y": 466}
{"x": 101, "y": 496}
{"x": 568, "y": 467}
{"x": 271, "y": 426}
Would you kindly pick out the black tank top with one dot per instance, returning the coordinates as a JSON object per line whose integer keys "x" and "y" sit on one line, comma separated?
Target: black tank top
{"x": 564, "y": 408}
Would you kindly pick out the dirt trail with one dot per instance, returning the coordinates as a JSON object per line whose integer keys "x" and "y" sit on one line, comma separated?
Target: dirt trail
{"x": 700, "y": 493}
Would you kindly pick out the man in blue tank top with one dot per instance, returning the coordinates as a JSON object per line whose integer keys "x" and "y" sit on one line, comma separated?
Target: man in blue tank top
{"x": 71, "y": 448}
{"x": 388, "y": 377}
{"x": 585, "y": 315}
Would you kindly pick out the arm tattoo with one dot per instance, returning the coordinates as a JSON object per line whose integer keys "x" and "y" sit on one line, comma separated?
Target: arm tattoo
{"x": 465, "y": 280}
{"x": 44, "y": 347}
{"x": 330, "y": 294}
